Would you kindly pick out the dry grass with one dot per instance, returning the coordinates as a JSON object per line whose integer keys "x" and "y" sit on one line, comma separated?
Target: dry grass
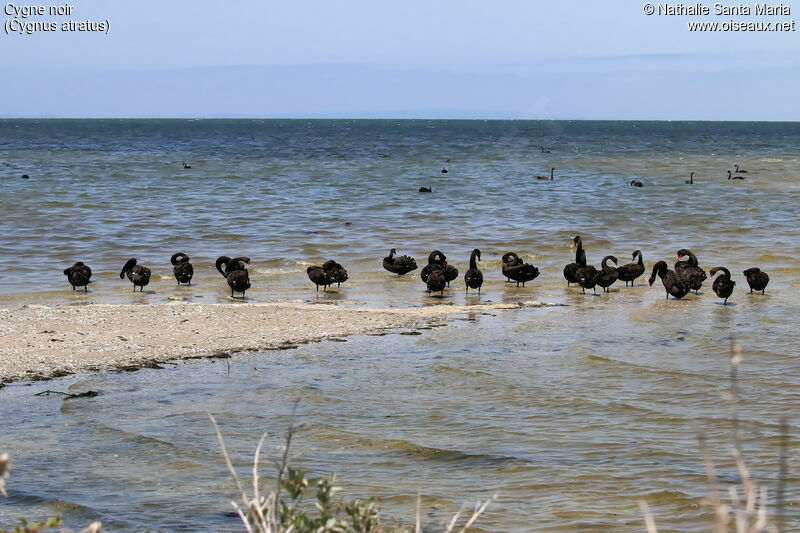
{"x": 744, "y": 510}
{"x": 270, "y": 513}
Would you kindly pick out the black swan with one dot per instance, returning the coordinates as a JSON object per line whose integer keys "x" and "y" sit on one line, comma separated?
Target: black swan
{"x": 740, "y": 171}
{"x": 544, "y": 151}
{"x": 436, "y": 281}
{"x": 587, "y": 278}
{"x": 473, "y": 278}
{"x": 571, "y": 270}
{"x": 545, "y": 177}
{"x": 182, "y": 268}
{"x": 139, "y": 275}
{"x": 235, "y": 273}
{"x": 509, "y": 260}
{"x": 450, "y": 272}
{"x": 690, "y": 181}
{"x": 402, "y": 264}
{"x": 631, "y": 271}
{"x": 319, "y": 277}
{"x": 673, "y": 283}
{"x": 336, "y": 272}
{"x": 693, "y": 275}
{"x": 186, "y": 166}
{"x": 444, "y": 171}
{"x": 425, "y": 189}
{"x": 514, "y": 268}
{"x": 436, "y": 258}
{"x": 78, "y": 275}
{"x": 635, "y": 183}
{"x": 734, "y": 177}
{"x": 608, "y": 274}
{"x": 756, "y": 279}
{"x": 723, "y": 286}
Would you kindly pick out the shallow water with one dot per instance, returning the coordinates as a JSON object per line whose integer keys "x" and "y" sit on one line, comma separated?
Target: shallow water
{"x": 571, "y": 413}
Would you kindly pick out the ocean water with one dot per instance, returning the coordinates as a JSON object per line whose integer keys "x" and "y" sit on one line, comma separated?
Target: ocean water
{"x": 571, "y": 413}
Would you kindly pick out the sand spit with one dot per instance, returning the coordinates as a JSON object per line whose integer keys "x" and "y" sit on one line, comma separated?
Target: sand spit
{"x": 38, "y": 341}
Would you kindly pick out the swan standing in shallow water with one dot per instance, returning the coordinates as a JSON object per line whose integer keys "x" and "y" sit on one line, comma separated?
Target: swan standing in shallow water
{"x": 673, "y": 284}
{"x": 756, "y": 279}
{"x": 78, "y": 275}
{"x": 138, "y": 274}
{"x": 182, "y": 268}
{"x": 571, "y": 270}
{"x": 723, "y": 286}
{"x": 473, "y": 278}
{"x": 400, "y": 265}
{"x": 515, "y": 269}
{"x": 235, "y": 273}
{"x": 692, "y": 275}
{"x": 608, "y": 274}
{"x": 631, "y": 271}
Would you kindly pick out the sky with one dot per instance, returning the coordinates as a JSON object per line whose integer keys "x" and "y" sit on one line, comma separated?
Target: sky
{"x": 514, "y": 59}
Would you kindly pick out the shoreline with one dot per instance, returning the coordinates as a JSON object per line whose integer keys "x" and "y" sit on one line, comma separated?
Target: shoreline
{"x": 40, "y": 342}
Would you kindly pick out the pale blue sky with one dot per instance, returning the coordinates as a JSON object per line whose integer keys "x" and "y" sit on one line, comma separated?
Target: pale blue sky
{"x": 446, "y": 58}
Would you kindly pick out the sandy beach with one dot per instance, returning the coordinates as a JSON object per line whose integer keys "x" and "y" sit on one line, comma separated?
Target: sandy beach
{"x": 40, "y": 341}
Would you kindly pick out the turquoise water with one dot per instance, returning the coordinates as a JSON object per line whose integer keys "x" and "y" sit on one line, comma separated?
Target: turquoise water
{"x": 572, "y": 413}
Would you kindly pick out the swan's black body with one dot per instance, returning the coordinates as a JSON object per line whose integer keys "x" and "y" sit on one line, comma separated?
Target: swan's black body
{"x": 78, "y": 275}
{"x": 473, "y": 278}
{"x": 587, "y": 278}
{"x": 608, "y": 274}
{"x": 336, "y": 272}
{"x": 631, "y": 271}
{"x": 319, "y": 277}
{"x": 673, "y": 283}
{"x": 692, "y": 275}
{"x": 402, "y": 264}
{"x": 739, "y": 170}
{"x": 235, "y": 273}
{"x": 690, "y": 181}
{"x": 723, "y": 285}
{"x": 545, "y": 177}
{"x": 138, "y": 274}
{"x": 731, "y": 177}
{"x": 425, "y": 189}
{"x": 571, "y": 270}
{"x": 756, "y": 279}
{"x": 636, "y": 183}
{"x": 515, "y": 269}
{"x": 182, "y": 268}
{"x": 435, "y": 258}
{"x": 436, "y": 281}
{"x": 509, "y": 260}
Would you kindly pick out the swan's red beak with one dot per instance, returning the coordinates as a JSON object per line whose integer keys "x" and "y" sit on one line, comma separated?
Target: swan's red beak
{"x": 651, "y": 283}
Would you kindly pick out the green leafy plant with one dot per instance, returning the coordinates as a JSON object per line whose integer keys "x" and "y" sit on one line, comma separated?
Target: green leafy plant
{"x": 284, "y": 509}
